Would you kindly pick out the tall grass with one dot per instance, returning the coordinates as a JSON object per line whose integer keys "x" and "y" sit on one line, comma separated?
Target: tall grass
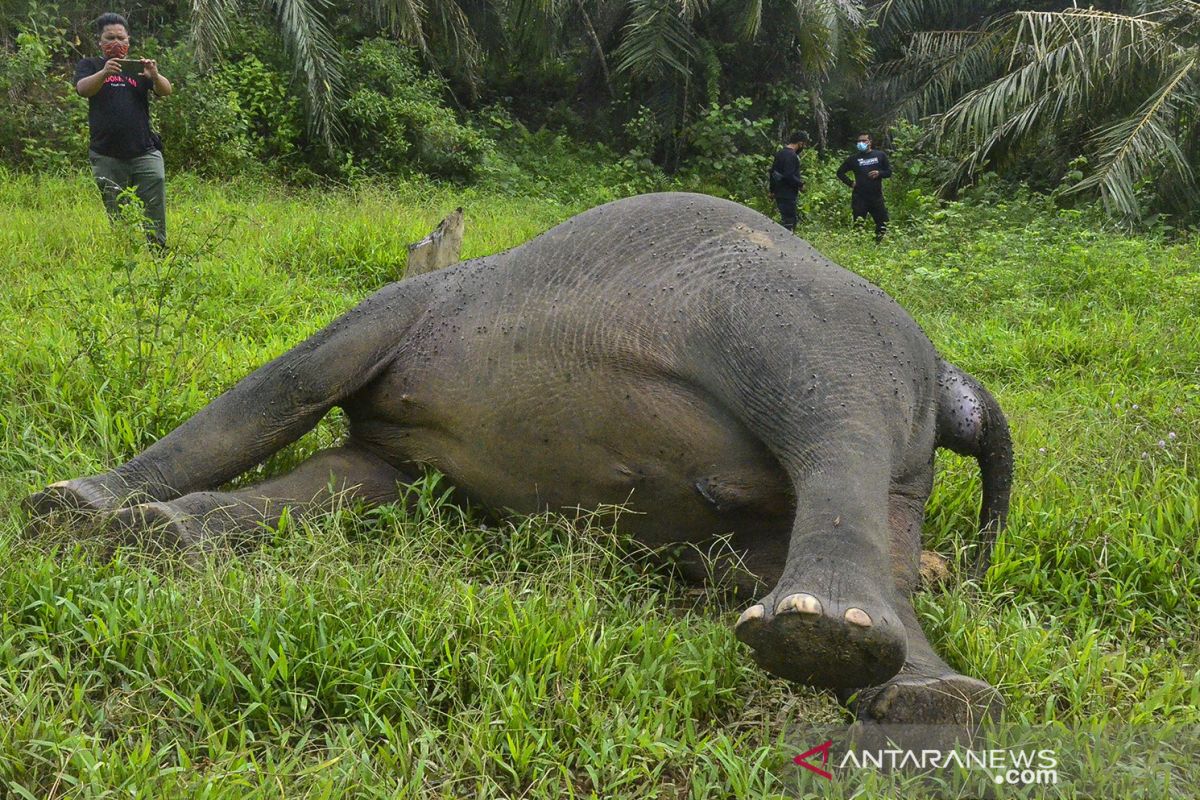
{"x": 426, "y": 654}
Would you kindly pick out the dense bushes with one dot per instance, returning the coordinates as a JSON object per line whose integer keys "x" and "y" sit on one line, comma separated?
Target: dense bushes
{"x": 43, "y": 123}
{"x": 396, "y": 121}
{"x": 244, "y": 115}
{"x": 236, "y": 118}
{"x": 729, "y": 150}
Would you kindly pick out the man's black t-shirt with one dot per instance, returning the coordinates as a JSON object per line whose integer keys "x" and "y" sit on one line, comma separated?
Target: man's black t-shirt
{"x": 119, "y": 114}
{"x": 785, "y": 173}
{"x": 862, "y": 164}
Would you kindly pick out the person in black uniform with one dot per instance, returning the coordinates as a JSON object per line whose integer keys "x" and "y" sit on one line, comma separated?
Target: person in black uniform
{"x": 123, "y": 150}
{"x": 870, "y": 167}
{"x": 784, "y": 180}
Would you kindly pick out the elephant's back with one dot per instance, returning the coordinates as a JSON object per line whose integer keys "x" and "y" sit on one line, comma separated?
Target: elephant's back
{"x": 646, "y": 258}
{"x": 676, "y": 284}
{"x": 673, "y": 236}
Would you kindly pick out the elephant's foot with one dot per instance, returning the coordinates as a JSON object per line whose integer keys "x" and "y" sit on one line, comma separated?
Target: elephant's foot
{"x": 159, "y": 527}
{"x": 948, "y": 699}
{"x": 196, "y": 523}
{"x": 808, "y": 634}
{"x": 70, "y": 504}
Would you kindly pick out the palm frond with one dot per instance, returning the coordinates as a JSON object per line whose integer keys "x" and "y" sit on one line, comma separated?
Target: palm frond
{"x": 210, "y": 29}
{"x": 1084, "y": 60}
{"x": 849, "y": 13}
{"x": 748, "y": 18}
{"x": 940, "y": 66}
{"x": 656, "y": 39}
{"x": 460, "y": 42}
{"x": 404, "y": 19}
{"x": 1132, "y": 148}
{"x": 691, "y": 10}
{"x": 317, "y": 59}
{"x": 1003, "y": 135}
{"x": 822, "y": 27}
{"x": 894, "y": 19}
{"x": 1090, "y": 31}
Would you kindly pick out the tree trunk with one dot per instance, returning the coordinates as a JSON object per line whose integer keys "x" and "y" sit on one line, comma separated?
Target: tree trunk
{"x": 591, "y": 29}
{"x": 820, "y": 112}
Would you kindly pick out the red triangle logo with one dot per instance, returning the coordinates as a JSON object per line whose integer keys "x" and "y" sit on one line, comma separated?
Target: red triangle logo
{"x": 823, "y": 749}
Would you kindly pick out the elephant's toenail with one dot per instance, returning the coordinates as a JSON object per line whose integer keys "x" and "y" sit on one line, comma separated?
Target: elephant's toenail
{"x": 755, "y": 611}
{"x": 856, "y": 616}
{"x": 799, "y": 603}
{"x": 883, "y": 701}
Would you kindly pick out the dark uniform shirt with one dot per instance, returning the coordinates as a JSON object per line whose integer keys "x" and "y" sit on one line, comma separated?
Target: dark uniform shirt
{"x": 785, "y": 173}
{"x": 119, "y": 114}
{"x": 861, "y": 164}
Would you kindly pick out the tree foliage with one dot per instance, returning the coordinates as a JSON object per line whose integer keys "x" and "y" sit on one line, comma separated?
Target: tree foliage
{"x": 1117, "y": 89}
{"x": 1102, "y": 98}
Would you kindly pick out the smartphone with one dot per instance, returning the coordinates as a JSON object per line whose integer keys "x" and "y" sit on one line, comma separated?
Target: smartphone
{"x": 130, "y": 66}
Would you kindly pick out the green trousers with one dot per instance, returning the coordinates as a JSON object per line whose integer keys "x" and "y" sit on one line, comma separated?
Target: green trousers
{"x": 146, "y": 175}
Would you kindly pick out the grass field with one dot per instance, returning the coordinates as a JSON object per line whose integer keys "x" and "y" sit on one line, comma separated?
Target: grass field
{"x": 422, "y": 654}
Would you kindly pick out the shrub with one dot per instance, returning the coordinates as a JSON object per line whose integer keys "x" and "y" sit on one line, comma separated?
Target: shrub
{"x": 230, "y": 120}
{"x": 397, "y": 123}
{"x": 204, "y": 129}
{"x": 550, "y": 165}
{"x": 43, "y": 122}
{"x": 728, "y": 150}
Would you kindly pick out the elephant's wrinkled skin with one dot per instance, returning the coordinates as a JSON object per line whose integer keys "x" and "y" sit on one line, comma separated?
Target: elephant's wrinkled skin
{"x": 676, "y": 353}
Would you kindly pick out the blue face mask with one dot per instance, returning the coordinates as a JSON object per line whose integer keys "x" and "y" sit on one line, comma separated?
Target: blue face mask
{"x": 862, "y": 147}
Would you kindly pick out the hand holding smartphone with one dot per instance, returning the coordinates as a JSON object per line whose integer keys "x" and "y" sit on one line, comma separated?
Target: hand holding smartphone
{"x": 130, "y": 66}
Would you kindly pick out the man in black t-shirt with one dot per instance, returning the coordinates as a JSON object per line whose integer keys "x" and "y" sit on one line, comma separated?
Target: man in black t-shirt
{"x": 784, "y": 179}
{"x": 123, "y": 150}
{"x": 870, "y": 167}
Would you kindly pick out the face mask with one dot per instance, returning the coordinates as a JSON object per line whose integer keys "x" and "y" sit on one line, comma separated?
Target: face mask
{"x": 114, "y": 49}
{"x": 862, "y": 147}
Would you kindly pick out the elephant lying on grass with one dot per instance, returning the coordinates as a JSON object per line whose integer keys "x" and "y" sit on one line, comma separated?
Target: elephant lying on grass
{"x": 676, "y": 353}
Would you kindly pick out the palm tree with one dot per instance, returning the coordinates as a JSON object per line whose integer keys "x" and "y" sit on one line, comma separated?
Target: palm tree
{"x": 428, "y": 25}
{"x": 673, "y": 40}
{"x": 1120, "y": 89}
{"x": 664, "y": 51}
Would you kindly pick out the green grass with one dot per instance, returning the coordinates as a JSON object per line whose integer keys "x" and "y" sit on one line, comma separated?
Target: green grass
{"x": 423, "y": 654}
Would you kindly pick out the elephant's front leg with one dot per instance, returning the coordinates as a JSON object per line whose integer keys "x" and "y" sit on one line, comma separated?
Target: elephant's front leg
{"x": 927, "y": 691}
{"x": 206, "y": 520}
{"x": 261, "y": 414}
{"x": 832, "y": 619}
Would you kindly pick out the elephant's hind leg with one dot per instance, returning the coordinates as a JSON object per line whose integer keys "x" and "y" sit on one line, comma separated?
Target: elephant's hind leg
{"x": 262, "y": 413}
{"x": 206, "y": 520}
{"x": 927, "y": 691}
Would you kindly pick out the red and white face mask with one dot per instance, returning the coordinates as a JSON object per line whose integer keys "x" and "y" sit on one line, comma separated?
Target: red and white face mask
{"x": 114, "y": 49}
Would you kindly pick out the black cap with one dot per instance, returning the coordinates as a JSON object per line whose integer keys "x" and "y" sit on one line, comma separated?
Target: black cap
{"x": 798, "y": 136}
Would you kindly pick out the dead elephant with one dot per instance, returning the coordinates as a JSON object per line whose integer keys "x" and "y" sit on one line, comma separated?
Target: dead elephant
{"x": 677, "y": 353}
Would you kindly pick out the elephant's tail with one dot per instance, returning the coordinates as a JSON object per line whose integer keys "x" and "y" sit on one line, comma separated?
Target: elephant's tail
{"x": 970, "y": 423}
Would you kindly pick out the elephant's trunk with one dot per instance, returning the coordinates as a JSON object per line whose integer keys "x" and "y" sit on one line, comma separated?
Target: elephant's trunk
{"x": 971, "y": 423}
